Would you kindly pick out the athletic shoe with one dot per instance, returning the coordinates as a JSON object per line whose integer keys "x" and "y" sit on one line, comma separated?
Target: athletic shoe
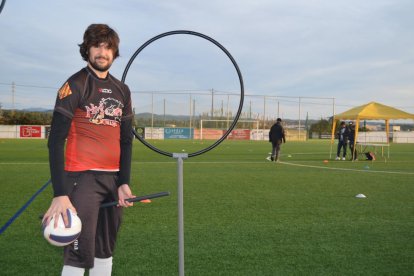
{"x": 268, "y": 159}
{"x": 343, "y": 158}
{"x": 337, "y": 158}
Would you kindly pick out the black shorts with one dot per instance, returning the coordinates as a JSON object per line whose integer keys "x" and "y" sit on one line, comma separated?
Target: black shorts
{"x": 99, "y": 225}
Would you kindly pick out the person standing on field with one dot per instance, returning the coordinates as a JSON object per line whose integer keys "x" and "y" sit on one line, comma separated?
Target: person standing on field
{"x": 93, "y": 115}
{"x": 276, "y": 137}
{"x": 343, "y": 135}
{"x": 351, "y": 141}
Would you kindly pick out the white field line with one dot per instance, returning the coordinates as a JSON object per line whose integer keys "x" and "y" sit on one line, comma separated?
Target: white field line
{"x": 193, "y": 162}
{"x": 345, "y": 169}
{"x": 24, "y": 163}
{"x": 239, "y": 162}
{"x": 288, "y": 163}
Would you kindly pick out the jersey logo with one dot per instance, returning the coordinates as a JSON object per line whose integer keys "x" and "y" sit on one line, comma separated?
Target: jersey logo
{"x": 64, "y": 91}
{"x": 108, "y": 112}
{"x": 104, "y": 90}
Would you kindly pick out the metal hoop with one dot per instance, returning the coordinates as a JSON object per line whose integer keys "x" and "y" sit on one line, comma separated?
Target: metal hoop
{"x": 3, "y": 2}
{"x": 235, "y": 66}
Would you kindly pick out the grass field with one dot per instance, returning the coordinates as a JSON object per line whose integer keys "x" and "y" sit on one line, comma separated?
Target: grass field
{"x": 243, "y": 214}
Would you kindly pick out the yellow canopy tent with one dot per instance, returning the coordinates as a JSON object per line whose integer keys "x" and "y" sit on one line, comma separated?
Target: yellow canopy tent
{"x": 370, "y": 111}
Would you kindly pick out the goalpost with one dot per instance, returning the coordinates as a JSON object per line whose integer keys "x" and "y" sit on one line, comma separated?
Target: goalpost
{"x": 227, "y": 125}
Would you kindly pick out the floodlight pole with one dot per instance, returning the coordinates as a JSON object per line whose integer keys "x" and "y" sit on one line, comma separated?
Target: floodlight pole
{"x": 180, "y": 199}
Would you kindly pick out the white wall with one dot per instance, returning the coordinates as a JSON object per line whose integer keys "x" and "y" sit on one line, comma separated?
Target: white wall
{"x": 372, "y": 137}
{"x": 403, "y": 137}
{"x": 22, "y": 131}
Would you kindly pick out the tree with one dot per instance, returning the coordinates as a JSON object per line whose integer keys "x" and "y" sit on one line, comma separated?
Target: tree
{"x": 321, "y": 127}
{"x": 10, "y": 117}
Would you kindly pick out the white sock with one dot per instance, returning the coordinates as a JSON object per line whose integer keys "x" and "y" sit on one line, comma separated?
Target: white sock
{"x": 68, "y": 270}
{"x": 102, "y": 267}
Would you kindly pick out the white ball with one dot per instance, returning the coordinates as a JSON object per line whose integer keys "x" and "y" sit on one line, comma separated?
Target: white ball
{"x": 63, "y": 234}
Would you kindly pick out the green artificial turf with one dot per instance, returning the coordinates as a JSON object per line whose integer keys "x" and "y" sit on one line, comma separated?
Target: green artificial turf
{"x": 243, "y": 214}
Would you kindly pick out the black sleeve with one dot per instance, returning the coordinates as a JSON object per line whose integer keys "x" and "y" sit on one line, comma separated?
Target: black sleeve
{"x": 126, "y": 152}
{"x": 56, "y": 144}
{"x": 270, "y": 134}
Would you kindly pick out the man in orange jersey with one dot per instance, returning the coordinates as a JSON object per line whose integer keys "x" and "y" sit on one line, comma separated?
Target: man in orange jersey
{"x": 93, "y": 115}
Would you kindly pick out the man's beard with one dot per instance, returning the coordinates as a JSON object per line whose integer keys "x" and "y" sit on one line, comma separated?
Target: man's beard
{"x": 98, "y": 67}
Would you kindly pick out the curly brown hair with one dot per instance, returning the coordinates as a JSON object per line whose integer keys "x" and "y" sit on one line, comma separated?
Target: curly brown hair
{"x": 96, "y": 34}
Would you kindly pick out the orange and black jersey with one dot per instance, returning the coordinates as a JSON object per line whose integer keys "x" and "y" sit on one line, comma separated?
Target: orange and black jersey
{"x": 95, "y": 116}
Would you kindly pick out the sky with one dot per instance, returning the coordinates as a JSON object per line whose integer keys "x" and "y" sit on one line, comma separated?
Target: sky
{"x": 296, "y": 57}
